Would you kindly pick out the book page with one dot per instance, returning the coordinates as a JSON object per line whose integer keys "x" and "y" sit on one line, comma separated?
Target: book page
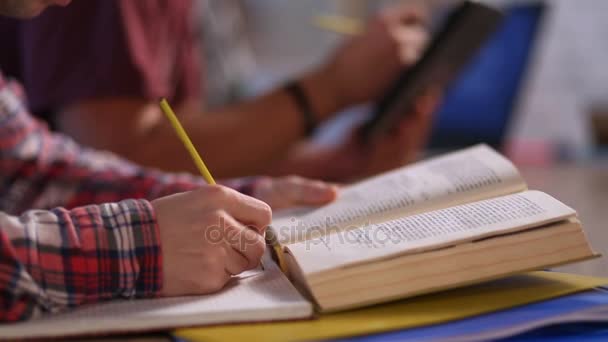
{"x": 466, "y": 176}
{"x": 254, "y": 296}
{"x": 431, "y": 230}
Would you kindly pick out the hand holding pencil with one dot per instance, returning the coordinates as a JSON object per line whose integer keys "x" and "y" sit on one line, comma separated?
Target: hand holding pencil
{"x": 280, "y": 193}
{"x": 200, "y": 164}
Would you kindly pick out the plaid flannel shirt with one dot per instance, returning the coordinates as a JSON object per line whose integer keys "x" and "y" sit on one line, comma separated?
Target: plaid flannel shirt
{"x": 104, "y": 245}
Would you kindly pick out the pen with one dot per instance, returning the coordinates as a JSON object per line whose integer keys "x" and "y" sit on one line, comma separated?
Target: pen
{"x": 200, "y": 164}
{"x": 338, "y": 24}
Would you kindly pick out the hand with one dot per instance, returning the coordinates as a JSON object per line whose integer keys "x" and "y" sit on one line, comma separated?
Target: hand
{"x": 353, "y": 160}
{"x": 400, "y": 147}
{"x": 207, "y": 236}
{"x": 365, "y": 66}
{"x": 293, "y": 191}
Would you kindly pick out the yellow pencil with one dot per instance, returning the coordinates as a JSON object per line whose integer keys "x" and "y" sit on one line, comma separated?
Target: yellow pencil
{"x": 200, "y": 164}
{"x": 183, "y": 136}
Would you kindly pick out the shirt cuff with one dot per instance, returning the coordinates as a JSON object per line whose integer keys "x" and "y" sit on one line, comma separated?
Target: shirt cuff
{"x": 146, "y": 247}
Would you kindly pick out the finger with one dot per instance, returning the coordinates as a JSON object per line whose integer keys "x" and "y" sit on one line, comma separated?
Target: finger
{"x": 411, "y": 34}
{"x": 300, "y": 191}
{"x": 413, "y": 131}
{"x": 428, "y": 101}
{"x": 225, "y": 278}
{"x": 235, "y": 263}
{"x": 412, "y": 42}
{"x": 413, "y": 134}
{"x": 249, "y": 211}
{"x": 407, "y": 14}
{"x": 217, "y": 280}
{"x": 244, "y": 241}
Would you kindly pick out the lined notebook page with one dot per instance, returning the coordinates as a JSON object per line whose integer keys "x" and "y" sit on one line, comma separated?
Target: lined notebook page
{"x": 430, "y": 230}
{"x": 255, "y": 296}
{"x": 465, "y": 176}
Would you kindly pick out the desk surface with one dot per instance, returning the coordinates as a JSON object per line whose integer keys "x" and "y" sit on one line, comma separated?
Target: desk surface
{"x": 585, "y": 188}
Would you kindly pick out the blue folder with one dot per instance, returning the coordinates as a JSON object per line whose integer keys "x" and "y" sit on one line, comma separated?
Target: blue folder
{"x": 584, "y": 332}
{"x": 517, "y": 317}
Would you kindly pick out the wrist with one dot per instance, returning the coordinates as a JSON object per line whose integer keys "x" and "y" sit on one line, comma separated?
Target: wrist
{"x": 323, "y": 93}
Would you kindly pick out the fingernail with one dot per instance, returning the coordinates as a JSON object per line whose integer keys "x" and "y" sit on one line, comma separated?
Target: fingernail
{"x": 325, "y": 192}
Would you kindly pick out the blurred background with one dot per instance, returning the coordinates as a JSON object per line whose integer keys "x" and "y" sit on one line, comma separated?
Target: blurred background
{"x": 538, "y": 90}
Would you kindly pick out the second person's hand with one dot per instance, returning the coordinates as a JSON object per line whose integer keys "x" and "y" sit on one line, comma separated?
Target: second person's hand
{"x": 293, "y": 191}
{"x": 364, "y": 66}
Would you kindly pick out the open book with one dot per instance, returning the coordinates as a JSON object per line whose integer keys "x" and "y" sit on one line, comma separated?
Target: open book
{"x": 454, "y": 220}
{"x": 459, "y": 219}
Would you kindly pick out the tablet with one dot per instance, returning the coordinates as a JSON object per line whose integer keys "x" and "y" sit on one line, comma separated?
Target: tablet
{"x": 461, "y": 37}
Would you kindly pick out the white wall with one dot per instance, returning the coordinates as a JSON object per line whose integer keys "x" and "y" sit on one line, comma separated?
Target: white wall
{"x": 570, "y": 74}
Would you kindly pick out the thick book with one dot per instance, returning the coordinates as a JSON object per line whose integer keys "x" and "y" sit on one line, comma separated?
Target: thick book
{"x": 459, "y": 219}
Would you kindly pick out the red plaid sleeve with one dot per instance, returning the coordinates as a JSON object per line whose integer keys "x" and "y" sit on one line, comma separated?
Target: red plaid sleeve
{"x": 53, "y": 260}
{"x": 57, "y": 258}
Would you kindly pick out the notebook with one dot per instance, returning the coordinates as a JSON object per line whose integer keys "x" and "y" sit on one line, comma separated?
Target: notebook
{"x": 259, "y": 295}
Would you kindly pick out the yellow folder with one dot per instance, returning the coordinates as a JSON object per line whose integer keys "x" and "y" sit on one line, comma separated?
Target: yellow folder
{"x": 410, "y": 313}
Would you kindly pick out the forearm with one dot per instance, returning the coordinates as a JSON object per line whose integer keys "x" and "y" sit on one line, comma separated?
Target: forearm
{"x": 41, "y": 170}
{"x": 242, "y": 139}
{"x": 252, "y": 135}
{"x": 238, "y": 140}
{"x": 61, "y": 173}
{"x": 53, "y": 260}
